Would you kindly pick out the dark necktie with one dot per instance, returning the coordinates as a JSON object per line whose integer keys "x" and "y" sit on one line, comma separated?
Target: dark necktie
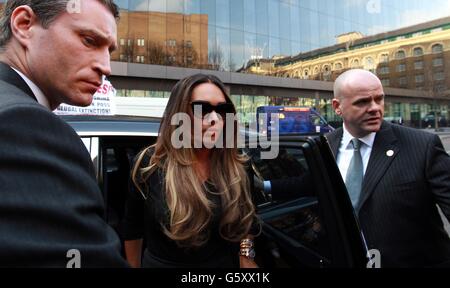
{"x": 354, "y": 178}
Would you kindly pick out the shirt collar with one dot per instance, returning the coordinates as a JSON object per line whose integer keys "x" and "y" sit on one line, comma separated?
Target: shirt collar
{"x": 368, "y": 139}
{"x": 35, "y": 89}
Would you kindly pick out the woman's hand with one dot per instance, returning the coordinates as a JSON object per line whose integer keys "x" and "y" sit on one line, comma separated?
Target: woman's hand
{"x": 247, "y": 263}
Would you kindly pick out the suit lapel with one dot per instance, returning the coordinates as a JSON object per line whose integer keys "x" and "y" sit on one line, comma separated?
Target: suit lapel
{"x": 335, "y": 139}
{"x": 379, "y": 161}
{"x": 10, "y": 76}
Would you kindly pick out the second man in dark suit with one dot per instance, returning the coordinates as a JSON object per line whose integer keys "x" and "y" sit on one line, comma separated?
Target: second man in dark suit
{"x": 51, "y": 209}
{"x": 395, "y": 176}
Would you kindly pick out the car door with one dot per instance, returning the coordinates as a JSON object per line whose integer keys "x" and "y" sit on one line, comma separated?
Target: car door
{"x": 307, "y": 217}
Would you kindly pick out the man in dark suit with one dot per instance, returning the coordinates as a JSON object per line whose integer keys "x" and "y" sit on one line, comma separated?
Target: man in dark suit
{"x": 51, "y": 209}
{"x": 395, "y": 176}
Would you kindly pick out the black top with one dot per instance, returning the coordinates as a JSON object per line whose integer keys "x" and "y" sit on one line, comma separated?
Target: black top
{"x": 143, "y": 219}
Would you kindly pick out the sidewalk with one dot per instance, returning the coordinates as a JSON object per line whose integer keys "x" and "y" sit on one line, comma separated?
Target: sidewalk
{"x": 441, "y": 131}
{"x": 444, "y": 134}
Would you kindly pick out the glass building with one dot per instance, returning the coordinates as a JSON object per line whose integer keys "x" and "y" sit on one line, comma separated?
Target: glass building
{"x": 288, "y": 52}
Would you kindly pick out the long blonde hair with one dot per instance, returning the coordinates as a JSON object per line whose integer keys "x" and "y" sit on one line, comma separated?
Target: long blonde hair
{"x": 190, "y": 209}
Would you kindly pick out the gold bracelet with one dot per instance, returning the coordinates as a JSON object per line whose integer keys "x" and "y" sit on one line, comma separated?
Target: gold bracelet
{"x": 246, "y": 243}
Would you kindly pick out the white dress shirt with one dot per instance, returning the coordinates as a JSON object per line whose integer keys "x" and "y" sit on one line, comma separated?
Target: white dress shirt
{"x": 35, "y": 89}
{"x": 345, "y": 153}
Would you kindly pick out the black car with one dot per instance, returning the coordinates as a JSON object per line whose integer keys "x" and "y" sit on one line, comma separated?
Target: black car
{"x": 316, "y": 228}
{"x": 428, "y": 121}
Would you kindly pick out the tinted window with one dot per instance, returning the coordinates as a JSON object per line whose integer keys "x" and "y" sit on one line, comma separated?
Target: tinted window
{"x": 292, "y": 208}
{"x": 117, "y": 154}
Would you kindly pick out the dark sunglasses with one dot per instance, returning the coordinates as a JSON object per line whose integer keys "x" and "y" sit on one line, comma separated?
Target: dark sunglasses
{"x": 222, "y": 109}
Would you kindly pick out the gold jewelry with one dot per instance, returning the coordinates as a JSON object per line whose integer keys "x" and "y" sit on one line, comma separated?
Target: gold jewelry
{"x": 247, "y": 252}
{"x": 246, "y": 243}
{"x": 246, "y": 248}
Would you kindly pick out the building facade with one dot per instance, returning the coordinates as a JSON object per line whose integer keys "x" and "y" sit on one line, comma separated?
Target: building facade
{"x": 287, "y": 52}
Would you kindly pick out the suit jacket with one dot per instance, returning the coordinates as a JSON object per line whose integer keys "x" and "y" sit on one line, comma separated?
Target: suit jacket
{"x": 50, "y": 202}
{"x": 397, "y": 209}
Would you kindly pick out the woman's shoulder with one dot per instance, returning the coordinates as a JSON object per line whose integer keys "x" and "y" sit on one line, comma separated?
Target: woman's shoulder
{"x": 142, "y": 165}
{"x": 144, "y": 156}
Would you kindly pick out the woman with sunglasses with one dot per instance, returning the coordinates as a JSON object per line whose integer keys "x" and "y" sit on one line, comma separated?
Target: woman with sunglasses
{"x": 192, "y": 205}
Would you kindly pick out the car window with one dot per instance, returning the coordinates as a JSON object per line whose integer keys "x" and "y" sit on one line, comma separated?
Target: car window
{"x": 117, "y": 155}
{"x": 316, "y": 120}
{"x": 291, "y": 210}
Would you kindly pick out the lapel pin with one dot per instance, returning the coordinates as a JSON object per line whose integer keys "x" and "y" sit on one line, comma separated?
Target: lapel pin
{"x": 390, "y": 153}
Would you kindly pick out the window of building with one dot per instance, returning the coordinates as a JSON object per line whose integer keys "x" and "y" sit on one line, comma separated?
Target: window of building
{"x": 439, "y": 76}
{"x": 400, "y": 54}
{"x": 187, "y": 25}
{"x": 123, "y": 57}
{"x": 438, "y": 62}
{"x": 369, "y": 64}
{"x": 384, "y": 58}
{"x": 384, "y": 70}
{"x": 172, "y": 43}
{"x": 140, "y": 59}
{"x": 420, "y": 78}
{"x": 141, "y": 42}
{"x": 402, "y": 81}
{"x": 385, "y": 82}
{"x": 401, "y": 67}
{"x": 189, "y": 43}
{"x": 122, "y": 42}
{"x": 437, "y": 48}
{"x": 418, "y": 65}
{"x": 327, "y": 73}
{"x": 316, "y": 71}
{"x": 130, "y": 42}
{"x": 441, "y": 88}
{"x": 338, "y": 66}
{"x": 418, "y": 51}
{"x": 355, "y": 63}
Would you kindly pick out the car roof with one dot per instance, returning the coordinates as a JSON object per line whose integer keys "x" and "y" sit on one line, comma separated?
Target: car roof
{"x": 86, "y": 125}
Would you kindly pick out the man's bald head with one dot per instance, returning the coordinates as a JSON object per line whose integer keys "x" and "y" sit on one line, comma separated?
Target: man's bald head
{"x": 354, "y": 80}
{"x": 359, "y": 100}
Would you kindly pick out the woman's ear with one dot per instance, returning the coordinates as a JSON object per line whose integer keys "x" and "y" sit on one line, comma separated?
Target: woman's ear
{"x": 23, "y": 19}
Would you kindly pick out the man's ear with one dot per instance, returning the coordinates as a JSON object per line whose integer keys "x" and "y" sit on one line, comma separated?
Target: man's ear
{"x": 22, "y": 21}
{"x": 336, "y": 106}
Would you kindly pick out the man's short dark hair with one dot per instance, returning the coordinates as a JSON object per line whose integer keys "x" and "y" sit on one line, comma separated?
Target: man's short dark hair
{"x": 45, "y": 10}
